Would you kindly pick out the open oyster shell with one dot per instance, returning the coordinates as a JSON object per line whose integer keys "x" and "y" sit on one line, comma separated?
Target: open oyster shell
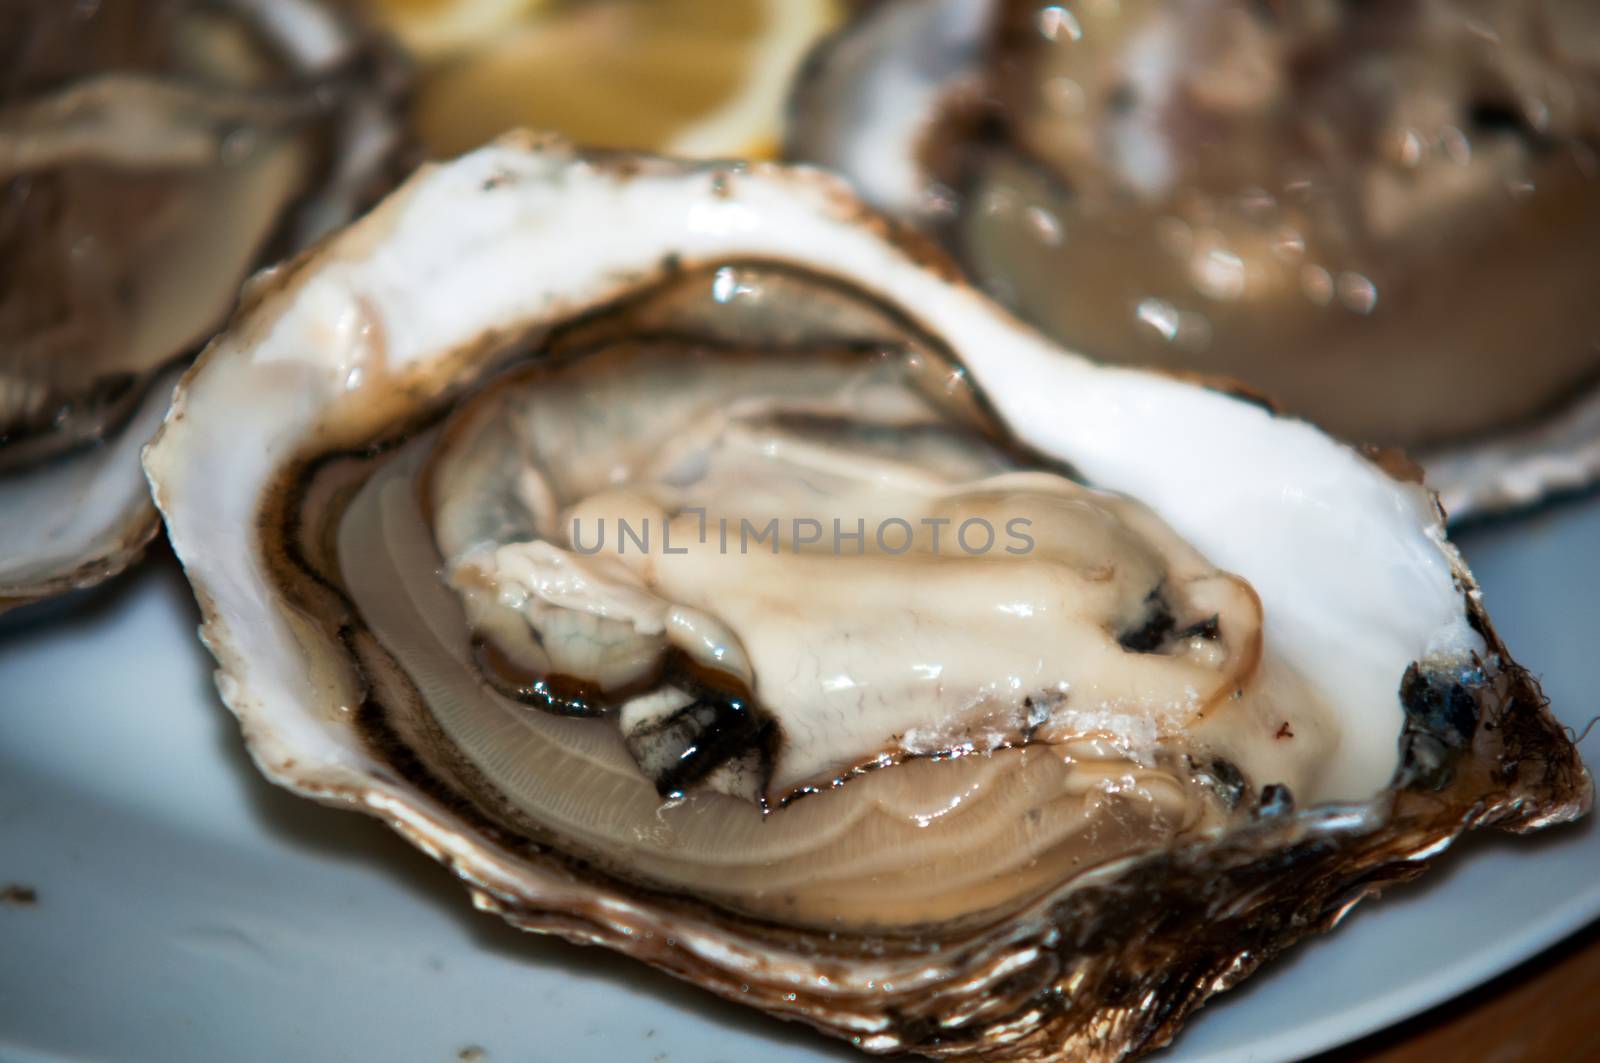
{"x": 1382, "y": 216}
{"x": 330, "y": 451}
{"x": 151, "y": 157}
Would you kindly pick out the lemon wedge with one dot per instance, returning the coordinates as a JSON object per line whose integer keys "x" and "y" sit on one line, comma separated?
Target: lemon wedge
{"x": 703, "y": 78}
{"x": 432, "y": 30}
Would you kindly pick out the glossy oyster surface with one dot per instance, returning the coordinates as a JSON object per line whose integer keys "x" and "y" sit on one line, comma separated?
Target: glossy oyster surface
{"x": 151, "y": 157}
{"x": 1031, "y": 798}
{"x": 1384, "y": 217}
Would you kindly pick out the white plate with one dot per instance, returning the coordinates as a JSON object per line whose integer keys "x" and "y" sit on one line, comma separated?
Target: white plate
{"x": 189, "y": 911}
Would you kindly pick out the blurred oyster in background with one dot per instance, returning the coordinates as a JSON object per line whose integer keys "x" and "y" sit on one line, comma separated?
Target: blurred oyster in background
{"x": 1384, "y": 216}
{"x": 151, "y": 156}
{"x": 700, "y": 78}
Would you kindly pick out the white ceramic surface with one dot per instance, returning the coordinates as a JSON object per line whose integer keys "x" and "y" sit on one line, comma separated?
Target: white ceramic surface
{"x": 189, "y": 911}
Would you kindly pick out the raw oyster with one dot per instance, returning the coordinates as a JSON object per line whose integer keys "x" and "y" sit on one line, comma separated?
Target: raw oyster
{"x": 151, "y": 155}
{"x": 1000, "y": 801}
{"x": 1384, "y": 216}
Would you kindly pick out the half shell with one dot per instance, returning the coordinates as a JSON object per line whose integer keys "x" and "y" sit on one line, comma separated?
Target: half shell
{"x": 152, "y": 156}
{"x": 1381, "y": 217}
{"x": 338, "y": 365}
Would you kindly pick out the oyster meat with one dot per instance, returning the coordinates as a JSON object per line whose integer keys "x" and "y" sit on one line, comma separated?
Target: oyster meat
{"x": 151, "y": 155}
{"x": 688, "y": 560}
{"x": 1384, "y": 216}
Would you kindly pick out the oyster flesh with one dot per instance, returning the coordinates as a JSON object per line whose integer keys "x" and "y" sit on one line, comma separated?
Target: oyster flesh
{"x": 1384, "y": 216}
{"x": 580, "y": 516}
{"x": 151, "y": 156}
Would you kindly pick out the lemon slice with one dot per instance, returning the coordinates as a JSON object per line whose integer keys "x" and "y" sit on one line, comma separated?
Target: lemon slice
{"x": 435, "y": 29}
{"x": 704, "y": 78}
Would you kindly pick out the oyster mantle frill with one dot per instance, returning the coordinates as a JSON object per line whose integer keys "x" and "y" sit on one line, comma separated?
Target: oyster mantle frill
{"x": 1255, "y": 685}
